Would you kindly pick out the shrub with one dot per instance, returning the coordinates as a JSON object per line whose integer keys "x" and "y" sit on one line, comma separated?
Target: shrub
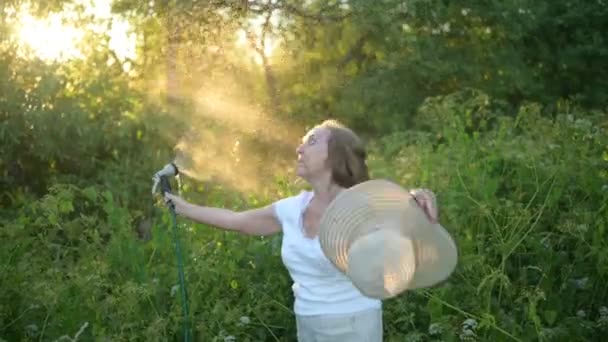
{"x": 526, "y": 202}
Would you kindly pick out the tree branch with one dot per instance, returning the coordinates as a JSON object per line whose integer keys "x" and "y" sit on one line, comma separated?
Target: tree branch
{"x": 353, "y": 53}
{"x": 260, "y": 48}
{"x": 259, "y": 8}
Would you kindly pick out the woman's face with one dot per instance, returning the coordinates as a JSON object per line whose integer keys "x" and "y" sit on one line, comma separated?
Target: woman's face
{"x": 312, "y": 154}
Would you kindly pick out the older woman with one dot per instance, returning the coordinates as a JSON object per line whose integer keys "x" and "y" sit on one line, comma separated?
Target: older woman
{"x": 328, "y": 306}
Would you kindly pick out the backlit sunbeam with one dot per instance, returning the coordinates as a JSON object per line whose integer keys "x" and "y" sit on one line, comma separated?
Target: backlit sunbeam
{"x": 249, "y": 141}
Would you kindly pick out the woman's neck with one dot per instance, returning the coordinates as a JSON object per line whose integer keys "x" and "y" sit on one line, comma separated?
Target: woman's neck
{"x": 325, "y": 190}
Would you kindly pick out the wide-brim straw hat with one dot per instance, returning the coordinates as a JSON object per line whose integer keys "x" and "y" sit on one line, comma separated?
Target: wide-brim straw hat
{"x": 376, "y": 234}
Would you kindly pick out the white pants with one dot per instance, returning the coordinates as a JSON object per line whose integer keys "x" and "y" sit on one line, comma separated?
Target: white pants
{"x": 364, "y": 326}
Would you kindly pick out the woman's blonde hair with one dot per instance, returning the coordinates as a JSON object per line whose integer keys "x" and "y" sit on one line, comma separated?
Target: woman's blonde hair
{"x": 346, "y": 155}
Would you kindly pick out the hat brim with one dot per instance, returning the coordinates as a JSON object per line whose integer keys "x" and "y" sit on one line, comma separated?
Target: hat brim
{"x": 376, "y": 234}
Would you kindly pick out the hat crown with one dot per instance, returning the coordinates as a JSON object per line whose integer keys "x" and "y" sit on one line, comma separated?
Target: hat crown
{"x": 371, "y": 257}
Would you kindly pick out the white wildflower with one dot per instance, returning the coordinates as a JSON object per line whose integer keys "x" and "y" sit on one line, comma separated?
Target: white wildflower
{"x": 435, "y": 329}
{"x": 244, "y": 320}
{"x": 174, "y": 290}
{"x": 467, "y": 335}
{"x": 229, "y": 338}
{"x": 445, "y": 27}
{"x": 581, "y": 283}
{"x": 468, "y": 330}
{"x": 469, "y": 323}
{"x": 465, "y": 11}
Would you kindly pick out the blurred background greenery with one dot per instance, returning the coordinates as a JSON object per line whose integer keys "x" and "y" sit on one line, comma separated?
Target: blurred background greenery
{"x": 499, "y": 107}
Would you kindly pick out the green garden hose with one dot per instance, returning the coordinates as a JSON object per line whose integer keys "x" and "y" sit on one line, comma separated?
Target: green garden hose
{"x": 165, "y": 187}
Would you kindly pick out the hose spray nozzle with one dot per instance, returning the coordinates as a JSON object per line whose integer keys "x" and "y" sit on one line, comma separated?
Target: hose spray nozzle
{"x": 162, "y": 177}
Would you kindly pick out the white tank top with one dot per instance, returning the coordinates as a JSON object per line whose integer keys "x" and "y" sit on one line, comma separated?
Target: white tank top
{"x": 318, "y": 286}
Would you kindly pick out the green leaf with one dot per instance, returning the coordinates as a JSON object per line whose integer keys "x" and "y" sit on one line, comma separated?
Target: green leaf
{"x": 550, "y": 316}
{"x": 90, "y": 193}
{"x": 66, "y": 206}
{"x": 435, "y": 309}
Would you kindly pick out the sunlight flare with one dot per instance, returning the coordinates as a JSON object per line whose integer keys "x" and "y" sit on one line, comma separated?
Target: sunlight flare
{"x": 56, "y": 38}
{"x": 49, "y": 38}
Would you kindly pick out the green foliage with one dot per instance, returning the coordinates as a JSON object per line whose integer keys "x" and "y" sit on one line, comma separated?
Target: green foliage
{"x": 72, "y": 259}
{"x": 496, "y": 106}
{"x": 526, "y": 200}
{"x": 377, "y": 67}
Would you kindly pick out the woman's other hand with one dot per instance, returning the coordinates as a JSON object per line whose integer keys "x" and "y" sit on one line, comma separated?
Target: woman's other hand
{"x": 427, "y": 201}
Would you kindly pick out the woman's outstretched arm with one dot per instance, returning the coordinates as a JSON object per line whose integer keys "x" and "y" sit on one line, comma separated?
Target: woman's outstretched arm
{"x": 261, "y": 221}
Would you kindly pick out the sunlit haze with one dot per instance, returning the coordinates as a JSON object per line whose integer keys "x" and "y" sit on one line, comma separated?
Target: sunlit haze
{"x": 201, "y": 152}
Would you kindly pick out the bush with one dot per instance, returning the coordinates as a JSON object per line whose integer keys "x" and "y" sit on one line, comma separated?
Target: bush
{"x": 73, "y": 260}
{"x": 526, "y": 201}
